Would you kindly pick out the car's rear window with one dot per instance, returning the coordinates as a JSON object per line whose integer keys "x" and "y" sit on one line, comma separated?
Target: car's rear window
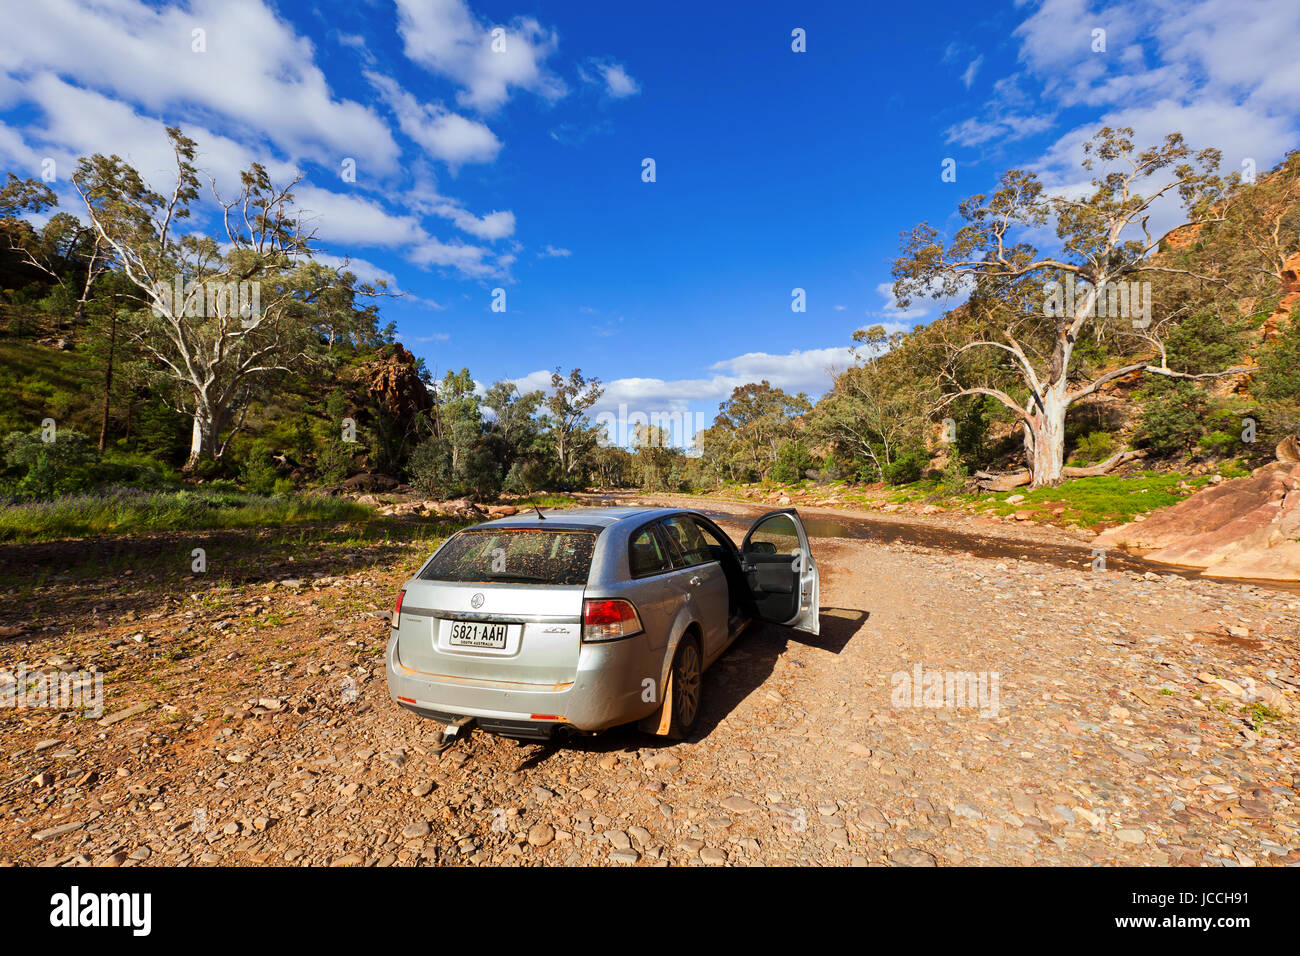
{"x": 514, "y": 556}
{"x": 645, "y": 555}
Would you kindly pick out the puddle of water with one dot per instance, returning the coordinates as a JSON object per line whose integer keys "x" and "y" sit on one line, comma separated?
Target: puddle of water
{"x": 816, "y": 527}
{"x": 822, "y": 528}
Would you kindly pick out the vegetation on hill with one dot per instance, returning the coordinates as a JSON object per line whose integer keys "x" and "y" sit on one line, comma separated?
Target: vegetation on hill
{"x": 132, "y": 358}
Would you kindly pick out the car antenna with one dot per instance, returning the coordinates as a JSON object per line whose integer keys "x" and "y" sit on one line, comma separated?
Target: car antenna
{"x": 540, "y": 516}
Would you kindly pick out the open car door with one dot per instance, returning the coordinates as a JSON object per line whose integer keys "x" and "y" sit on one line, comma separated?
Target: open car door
{"x": 781, "y": 572}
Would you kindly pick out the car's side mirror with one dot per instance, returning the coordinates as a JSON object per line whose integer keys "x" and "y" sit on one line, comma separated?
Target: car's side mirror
{"x": 761, "y": 547}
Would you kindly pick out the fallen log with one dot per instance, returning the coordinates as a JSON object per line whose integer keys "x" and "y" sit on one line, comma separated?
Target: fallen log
{"x": 988, "y": 481}
{"x": 1102, "y": 467}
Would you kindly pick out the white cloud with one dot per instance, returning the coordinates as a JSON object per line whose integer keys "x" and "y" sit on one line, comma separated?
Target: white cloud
{"x": 355, "y": 219}
{"x": 16, "y": 154}
{"x": 471, "y": 260}
{"x": 445, "y": 37}
{"x": 426, "y": 200}
{"x": 612, "y": 77}
{"x": 1240, "y": 134}
{"x": 76, "y": 122}
{"x": 364, "y": 270}
{"x": 968, "y": 77}
{"x": 798, "y": 371}
{"x": 550, "y": 252}
{"x": 494, "y": 225}
{"x": 898, "y": 319}
{"x": 444, "y": 135}
{"x": 257, "y": 74}
{"x": 1222, "y": 72}
{"x": 891, "y": 309}
{"x": 1004, "y": 128}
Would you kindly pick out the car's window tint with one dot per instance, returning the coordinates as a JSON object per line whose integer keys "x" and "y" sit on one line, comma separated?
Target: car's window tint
{"x": 516, "y": 556}
{"x": 775, "y": 535}
{"x": 646, "y": 554}
{"x": 686, "y": 538}
{"x": 715, "y": 545}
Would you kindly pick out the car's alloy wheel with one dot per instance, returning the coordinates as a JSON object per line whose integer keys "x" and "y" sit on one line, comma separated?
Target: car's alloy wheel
{"x": 687, "y": 684}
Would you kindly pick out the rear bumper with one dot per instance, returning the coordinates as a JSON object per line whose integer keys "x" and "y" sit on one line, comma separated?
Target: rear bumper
{"x": 607, "y": 690}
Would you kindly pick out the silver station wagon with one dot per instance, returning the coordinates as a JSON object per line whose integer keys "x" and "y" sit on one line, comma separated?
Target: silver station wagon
{"x": 581, "y": 620}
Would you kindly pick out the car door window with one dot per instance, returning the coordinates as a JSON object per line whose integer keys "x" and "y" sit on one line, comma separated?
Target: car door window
{"x": 775, "y": 535}
{"x": 646, "y": 554}
{"x": 687, "y": 540}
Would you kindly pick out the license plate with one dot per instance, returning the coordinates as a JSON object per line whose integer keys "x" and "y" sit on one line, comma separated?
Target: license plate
{"x": 476, "y": 634}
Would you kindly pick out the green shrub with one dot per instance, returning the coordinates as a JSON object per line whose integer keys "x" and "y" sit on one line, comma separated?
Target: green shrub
{"x": 1173, "y": 417}
{"x": 259, "y": 474}
{"x": 123, "y": 510}
{"x": 1278, "y": 378}
{"x": 1218, "y": 444}
{"x": 1206, "y": 342}
{"x": 907, "y": 466}
{"x": 953, "y": 479}
{"x": 334, "y": 463}
{"x": 792, "y": 460}
{"x": 430, "y": 468}
{"x": 1094, "y": 447}
{"x": 35, "y": 468}
{"x": 525, "y": 477}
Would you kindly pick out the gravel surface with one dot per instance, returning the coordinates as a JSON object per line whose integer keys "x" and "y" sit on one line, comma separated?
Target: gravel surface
{"x": 1139, "y": 718}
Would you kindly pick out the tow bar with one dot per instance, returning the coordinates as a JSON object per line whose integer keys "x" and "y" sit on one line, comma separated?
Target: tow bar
{"x": 452, "y": 732}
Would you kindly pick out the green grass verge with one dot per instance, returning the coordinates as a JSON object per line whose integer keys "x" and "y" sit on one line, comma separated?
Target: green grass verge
{"x": 1087, "y": 502}
{"x": 546, "y": 500}
{"x": 1104, "y": 499}
{"x": 128, "y": 511}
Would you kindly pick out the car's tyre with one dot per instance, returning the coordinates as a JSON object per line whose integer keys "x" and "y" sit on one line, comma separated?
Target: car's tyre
{"x": 687, "y": 688}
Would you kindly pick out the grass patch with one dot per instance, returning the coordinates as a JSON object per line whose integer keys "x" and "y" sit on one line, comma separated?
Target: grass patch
{"x": 1087, "y": 502}
{"x": 546, "y": 500}
{"x": 126, "y": 511}
{"x": 42, "y": 382}
{"x": 1103, "y": 499}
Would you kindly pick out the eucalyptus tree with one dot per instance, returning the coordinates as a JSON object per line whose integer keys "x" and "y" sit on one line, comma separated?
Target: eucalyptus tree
{"x": 1030, "y": 309}
{"x": 220, "y": 315}
{"x": 567, "y": 420}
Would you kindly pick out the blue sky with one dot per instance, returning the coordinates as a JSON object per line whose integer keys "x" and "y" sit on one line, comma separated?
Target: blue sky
{"x": 522, "y": 169}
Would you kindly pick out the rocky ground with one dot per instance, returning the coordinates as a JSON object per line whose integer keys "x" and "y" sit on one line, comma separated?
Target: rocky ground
{"x": 1141, "y": 718}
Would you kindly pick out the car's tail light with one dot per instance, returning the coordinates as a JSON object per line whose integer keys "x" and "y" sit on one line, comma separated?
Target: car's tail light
{"x": 608, "y": 620}
{"x": 397, "y": 609}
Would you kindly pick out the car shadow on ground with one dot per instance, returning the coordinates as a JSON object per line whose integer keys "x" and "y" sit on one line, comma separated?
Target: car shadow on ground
{"x": 749, "y": 662}
{"x": 741, "y": 671}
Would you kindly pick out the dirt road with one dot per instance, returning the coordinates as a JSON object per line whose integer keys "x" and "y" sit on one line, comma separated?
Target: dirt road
{"x": 1120, "y": 717}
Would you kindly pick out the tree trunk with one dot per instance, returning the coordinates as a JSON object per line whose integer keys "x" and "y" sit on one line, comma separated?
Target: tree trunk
{"x": 108, "y": 379}
{"x": 1047, "y": 427}
{"x": 203, "y": 438}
